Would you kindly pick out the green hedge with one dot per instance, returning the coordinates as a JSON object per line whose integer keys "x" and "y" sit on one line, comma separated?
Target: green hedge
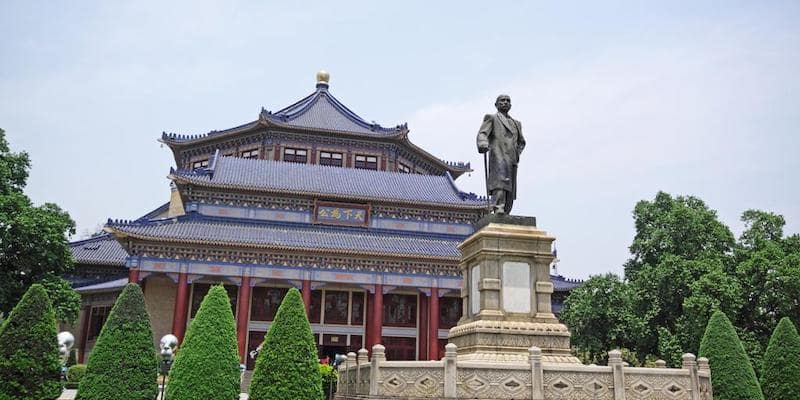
{"x": 30, "y": 368}
{"x": 287, "y": 366}
{"x": 329, "y": 378}
{"x": 732, "y": 375}
{"x": 207, "y": 362}
{"x": 780, "y": 375}
{"x": 123, "y": 364}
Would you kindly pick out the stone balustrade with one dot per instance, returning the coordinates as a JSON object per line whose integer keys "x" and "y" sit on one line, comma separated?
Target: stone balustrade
{"x": 378, "y": 378}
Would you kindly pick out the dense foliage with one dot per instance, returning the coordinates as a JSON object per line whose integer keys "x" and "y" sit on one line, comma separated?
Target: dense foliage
{"x": 30, "y": 368}
{"x": 684, "y": 265}
{"x": 207, "y": 362}
{"x": 123, "y": 363}
{"x": 329, "y": 378}
{"x": 732, "y": 376}
{"x": 33, "y": 237}
{"x": 780, "y": 374}
{"x": 66, "y": 301}
{"x": 287, "y": 367}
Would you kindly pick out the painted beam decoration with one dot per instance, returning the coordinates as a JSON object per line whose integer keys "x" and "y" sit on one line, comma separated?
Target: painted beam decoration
{"x": 331, "y": 213}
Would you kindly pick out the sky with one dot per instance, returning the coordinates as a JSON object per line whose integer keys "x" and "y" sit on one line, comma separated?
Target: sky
{"x": 618, "y": 100}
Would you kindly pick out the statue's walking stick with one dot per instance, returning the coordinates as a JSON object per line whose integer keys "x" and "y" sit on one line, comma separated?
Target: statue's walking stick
{"x": 486, "y": 178}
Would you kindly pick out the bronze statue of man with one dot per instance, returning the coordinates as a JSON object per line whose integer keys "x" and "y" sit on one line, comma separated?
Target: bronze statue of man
{"x": 501, "y": 136}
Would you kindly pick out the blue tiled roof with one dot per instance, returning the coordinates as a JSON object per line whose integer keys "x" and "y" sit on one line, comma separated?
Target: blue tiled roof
{"x": 562, "y": 284}
{"x": 348, "y": 183}
{"x": 100, "y": 250}
{"x": 111, "y": 285}
{"x": 321, "y": 110}
{"x": 195, "y": 228}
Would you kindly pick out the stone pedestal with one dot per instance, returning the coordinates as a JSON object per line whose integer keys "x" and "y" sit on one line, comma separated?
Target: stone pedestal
{"x": 506, "y": 294}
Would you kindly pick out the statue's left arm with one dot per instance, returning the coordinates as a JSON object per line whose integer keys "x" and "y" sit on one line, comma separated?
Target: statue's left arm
{"x": 520, "y": 140}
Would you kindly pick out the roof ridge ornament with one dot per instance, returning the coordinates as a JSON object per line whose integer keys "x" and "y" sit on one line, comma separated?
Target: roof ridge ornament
{"x": 323, "y": 79}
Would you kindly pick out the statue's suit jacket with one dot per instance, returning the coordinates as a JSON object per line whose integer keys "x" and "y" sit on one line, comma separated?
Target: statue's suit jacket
{"x": 503, "y": 136}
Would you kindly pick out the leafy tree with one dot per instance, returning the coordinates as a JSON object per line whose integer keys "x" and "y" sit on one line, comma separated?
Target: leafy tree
{"x": 34, "y": 243}
{"x": 287, "y": 367}
{"x": 682, "y": 226}
{"x": 30, "y": 368}
{"x": 767, "y": 265}
{"x": 207, "y": 362}
{"x": 66, "y": 301}
{"x": 600, "y": 316}
{"x": 123, "y": 364}
{"x": 780, "y": 376}
{"x": 732, "y": 375}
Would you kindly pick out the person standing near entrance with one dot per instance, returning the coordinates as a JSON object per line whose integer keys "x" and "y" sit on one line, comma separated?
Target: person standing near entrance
{"x": 501, "y": 137}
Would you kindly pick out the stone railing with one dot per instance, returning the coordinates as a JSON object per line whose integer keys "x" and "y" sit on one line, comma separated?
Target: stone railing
{"x": 360, "y": 378}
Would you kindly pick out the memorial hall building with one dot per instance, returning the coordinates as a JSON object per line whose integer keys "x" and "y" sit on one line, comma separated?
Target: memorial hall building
{"x": 353, "y": 214}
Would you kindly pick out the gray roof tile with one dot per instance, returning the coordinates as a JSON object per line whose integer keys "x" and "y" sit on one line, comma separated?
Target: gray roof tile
{"x": 201, "y": 229}
{"x": 101, "y": 250}
{"x": 351, "y": 183}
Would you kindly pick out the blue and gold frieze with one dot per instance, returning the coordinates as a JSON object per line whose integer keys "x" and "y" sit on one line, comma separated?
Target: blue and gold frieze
{"x": 256, "y": 272}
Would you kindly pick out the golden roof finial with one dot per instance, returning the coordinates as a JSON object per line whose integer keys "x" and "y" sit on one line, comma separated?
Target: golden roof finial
{"x": 323, "y": 76}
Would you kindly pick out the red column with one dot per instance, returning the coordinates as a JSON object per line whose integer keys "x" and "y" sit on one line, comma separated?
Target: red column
{"x": 368, "y": 329}
{"x": 377, "y": 315}
{"x": 277, "y": 156}
{"x": 307, "y": 295}
{"x": 133, "y": 275}
{"x": 181, "y": 307}
{"x": 433, "y": 325}
{"x": 422, "y": 332}
{"x": 243, "y": 317}
{"x": 84, "y": 334}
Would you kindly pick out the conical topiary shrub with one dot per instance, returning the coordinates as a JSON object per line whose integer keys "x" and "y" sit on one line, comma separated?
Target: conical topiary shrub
{"x": 207, "y": 362}
{"x": 29, "y": 365}
{"x": 123, "y": 364}
{"x": 732, "y": 375}
{"x": 286, "y": 367}
{"x": 780, "y": 375}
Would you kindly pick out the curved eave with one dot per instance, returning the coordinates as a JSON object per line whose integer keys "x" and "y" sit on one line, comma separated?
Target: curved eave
{"x": 182, "y": 180}
{"x": 267, "y": 123}
{"x": 121, "y": 234}
{"x": 454, "y": 171}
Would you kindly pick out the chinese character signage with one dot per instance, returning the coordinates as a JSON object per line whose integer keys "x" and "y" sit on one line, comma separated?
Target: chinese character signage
{"x": 341, "y": 214}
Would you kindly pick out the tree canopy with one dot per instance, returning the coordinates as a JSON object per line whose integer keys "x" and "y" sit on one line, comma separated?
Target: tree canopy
{"x": 33, "y": 239}
{"x": 123, "y": 364}
{"x": 30, "y": 368}
{"x": 684, "y": 265}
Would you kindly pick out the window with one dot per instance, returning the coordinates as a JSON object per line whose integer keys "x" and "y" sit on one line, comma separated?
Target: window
{"x": 200, "y": 290}
{"x": 252, "y": 153}
{"x": 366, "y": 162}
{"x": 316, "y": 306}
{"x": 200, "y": 164}
{"x": 295, "y": 155}
{"x": 97, "y": 320}
{"x": 328, "y": 158}
{"x": 403, "y": 168}
{"x": 357, "y": 317}
{"x": 399, "y": 310}
{"x": 265, "y": 303}
{"x": 449, "y": 312}
{"x": 336, "y": 307}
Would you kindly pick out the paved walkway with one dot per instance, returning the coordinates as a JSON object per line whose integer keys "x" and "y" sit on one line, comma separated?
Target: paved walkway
{"x": 69, "y": 394}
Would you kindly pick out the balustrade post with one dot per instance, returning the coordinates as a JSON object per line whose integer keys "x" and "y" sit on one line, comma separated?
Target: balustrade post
{"x": 378, "y": 356}
{"x": 690, "y": 364}
{"x": 615, "y": 362}
{"x": 537, "y": 374}
{"x": 450, "y": 371}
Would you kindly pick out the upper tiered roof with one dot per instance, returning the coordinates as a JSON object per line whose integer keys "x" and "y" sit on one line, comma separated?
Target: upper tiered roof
{"x": 329, "y": 182}
{"x": 321, "y": 113}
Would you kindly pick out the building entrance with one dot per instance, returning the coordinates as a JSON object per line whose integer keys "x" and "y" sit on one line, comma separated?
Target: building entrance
{"x": 331, "y": 352}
